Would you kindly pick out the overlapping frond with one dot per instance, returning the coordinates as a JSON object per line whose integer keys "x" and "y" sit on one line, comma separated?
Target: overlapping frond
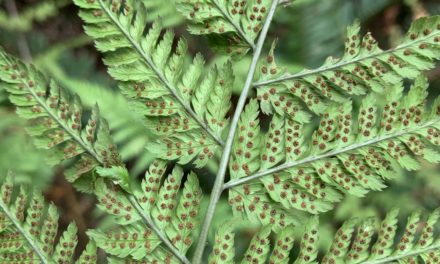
{"x": 366, "y": 241}
{"x": 29, "y": 227}
{"x": 154, "y": 74}
{"x": 234, "y": 25}
{"x": 55, "y": 120}
{"x": 344, "y": 155}
{"x": 165, "y": 11}
{"x": 363, "y": 68}
{"x": 173, "y": 211}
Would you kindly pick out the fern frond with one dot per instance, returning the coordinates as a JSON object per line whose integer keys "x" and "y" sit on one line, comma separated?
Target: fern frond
{"x": 345, "y": 155}
{"x": 172, "y": 94}
{"x": 356, "y": 241}
{"x": 363, "y": 68}
{"x": 260, "y": 249}
{"x": 243, "y": 22}
{"x": 56, "y": 124}
{"x": 177, "y": 218}
{"x": 235, "y": 24}
{"x": 56, "y": 120}
{"x": 28, "y": 233}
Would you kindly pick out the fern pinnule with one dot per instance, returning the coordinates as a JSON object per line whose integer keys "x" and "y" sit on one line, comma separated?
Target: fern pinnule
{"x": 55, "y": 120}
{"x": 29, "y": 231}
{"x": 252, "y": 201}
{"x": 233, "y": 24}
{"x": 176, "y": 218}
{"x": 364, "y": 67}
{"x": 357, "y": 241}
{"x": 345, "y": 155}
{"x": 223, "y": 248}
{"x": 171, "y": 93}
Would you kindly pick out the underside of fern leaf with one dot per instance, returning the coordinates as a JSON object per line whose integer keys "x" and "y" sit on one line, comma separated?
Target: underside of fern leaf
{"x": 367, "y": 242}
{"x": 28, "y": 230}
{"x": 51, "y": 113}
{"x": 183, "y": 106}
{"x": 158, "y": 198}
{"x": 55, "y": 120}
{"x": 345, "y": 155}
{"x": 232, "y": 25}
{"x": 363, "y": 68}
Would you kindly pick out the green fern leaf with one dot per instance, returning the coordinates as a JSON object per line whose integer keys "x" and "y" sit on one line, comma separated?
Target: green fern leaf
{"x": 159, "y": 82}
{"x": 238, "y": 22}
{"x": 283, "y": 245}
{"x": 177, "y": 218}
{"x": 223, "y": 251}
{"x": 56, "y": 120}
{"x": 258, "y": 248}
{"x": 355, "y": 242}
{"x": 30, "y": 233}
{"x": 251, "y": 201}
{"x": 340, "y": 158}
{"x": 364, "y": 67}
{"x": 132, "y": 240}
{"x": 89, "y": 255}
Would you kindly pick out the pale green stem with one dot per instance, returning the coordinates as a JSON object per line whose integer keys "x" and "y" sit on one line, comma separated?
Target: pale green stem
{"x": 220, "y": 178}
{"x": 402, "y": 256}
{"x": 30, "y": 239}
{"x": 288, "y": 165}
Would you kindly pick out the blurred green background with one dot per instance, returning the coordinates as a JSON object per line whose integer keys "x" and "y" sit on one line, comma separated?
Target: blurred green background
{"x": 49, "y": 34}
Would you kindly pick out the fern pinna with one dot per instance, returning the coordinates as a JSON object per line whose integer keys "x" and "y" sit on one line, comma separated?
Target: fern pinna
{"x": 357, "y": 241}
{"x": 29, "y": 227}
{"x": 294, "y": 167}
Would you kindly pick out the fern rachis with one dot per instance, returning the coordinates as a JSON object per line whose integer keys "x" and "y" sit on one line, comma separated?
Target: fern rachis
{"x": 274, "y": 174}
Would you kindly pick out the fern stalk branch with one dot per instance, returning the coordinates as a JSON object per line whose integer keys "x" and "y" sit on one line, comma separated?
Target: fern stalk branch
{"x": 408, "y": 254}
{"x": 235, "y": 25}
{"x": 161, "y": 77}
{"x": 31, "y": 240}
{"x": 150, "y": 224}
{"x": 221, "y": 173}
{"x": 22, "y": 43}
{"x": 339, "y": 64}
{"x": 288, "y": 165}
